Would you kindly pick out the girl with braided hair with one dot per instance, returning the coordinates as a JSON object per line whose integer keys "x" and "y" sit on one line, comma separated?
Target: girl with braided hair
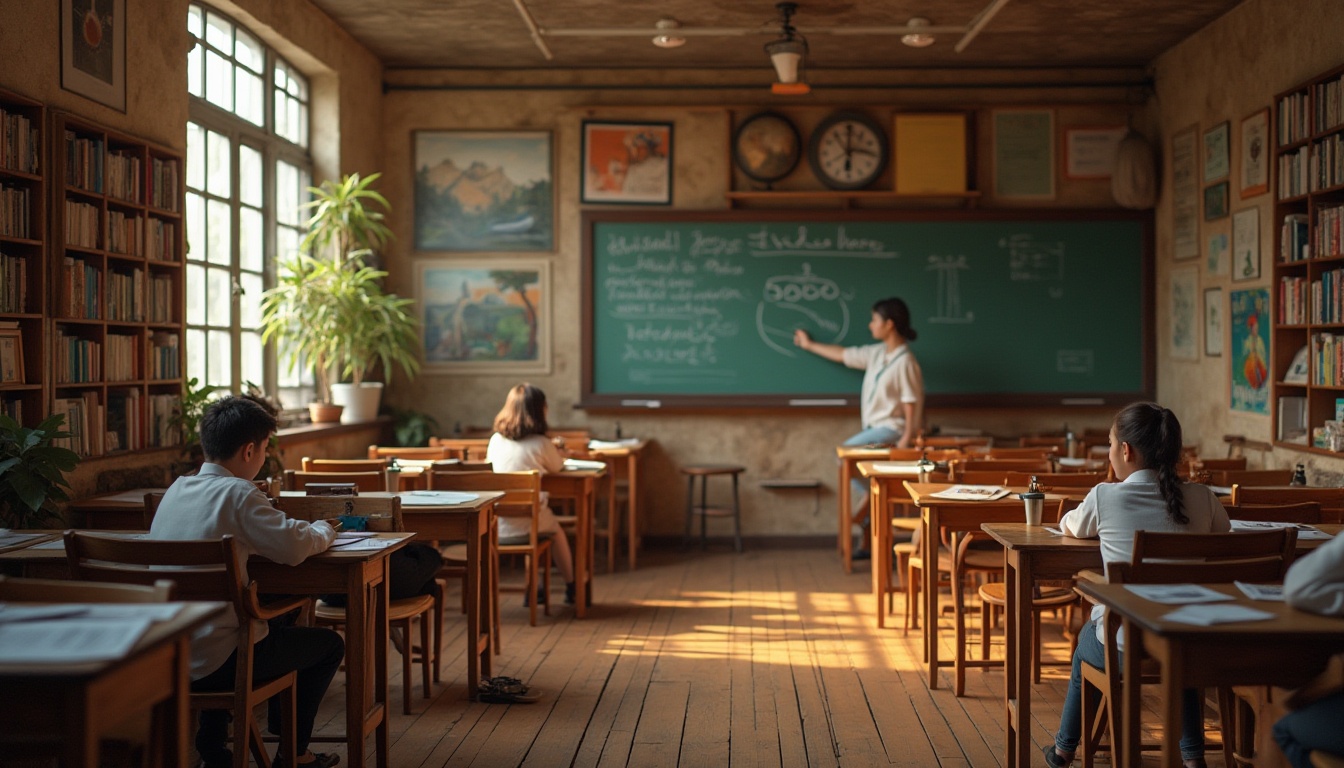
{"x": 1145, "y": 451}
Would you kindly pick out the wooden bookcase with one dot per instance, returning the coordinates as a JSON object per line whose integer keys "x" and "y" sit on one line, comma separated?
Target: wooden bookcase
{"x": 23, "y": 237}
{"x": 1308, "y": 254}
{"x": 115, "y": 297}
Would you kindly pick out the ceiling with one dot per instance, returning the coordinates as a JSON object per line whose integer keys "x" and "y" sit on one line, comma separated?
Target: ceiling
{"x": 492, "y": 34}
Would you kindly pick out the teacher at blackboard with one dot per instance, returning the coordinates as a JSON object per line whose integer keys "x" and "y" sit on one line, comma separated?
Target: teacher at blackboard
{"x": 892, "y": 398}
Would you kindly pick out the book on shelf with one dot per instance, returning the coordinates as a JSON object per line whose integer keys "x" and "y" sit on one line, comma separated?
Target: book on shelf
{"x": 84, "y": 162}
{"x": 1293, "y": 242}
{"x": 16, "y": 210}
{"x": 19, "y": 143}
{"x": 13, "y": 283}
{"x": 165, "y": 355}
{"x": 1327, "y": 237}
{"x": 1292, "y": 419}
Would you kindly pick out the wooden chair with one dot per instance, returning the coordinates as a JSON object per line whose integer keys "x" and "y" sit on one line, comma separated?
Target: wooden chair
{"x": 402, "y": 613}
{"x": 201, "y": 570}
{"x": 344, "y": 465}
{"x": 1227, "y": 478}
{"x": 1051, "y": 480}
{"x": 431, "y": 453}
{"x": 975, "y": 476}
{"x": 1174, "y": 558}
{"x": 465, "y": 448}
{"x": 999, "y": 465}
{"x": 1057, "y": 443}
{"x": 1209, "y": 465}
{"x": 365, "y": 482}
{"x": 1030, "y": 452}
{"x": 522, "y": 499}
{"x": 1308, "y": 512}
{"x": 151, "y": 508}
{"x": 994, "y": 597}
{"x": 1330, "y": 499}
{"x": 962, "y": 443}
{"x": 457, "y": 465}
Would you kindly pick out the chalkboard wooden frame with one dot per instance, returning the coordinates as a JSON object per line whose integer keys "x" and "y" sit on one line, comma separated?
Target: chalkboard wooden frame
{"x": 644, "y": 401}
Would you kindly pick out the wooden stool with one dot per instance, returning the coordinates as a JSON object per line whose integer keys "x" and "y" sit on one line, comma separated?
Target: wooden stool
{"x": 704, "y": 472}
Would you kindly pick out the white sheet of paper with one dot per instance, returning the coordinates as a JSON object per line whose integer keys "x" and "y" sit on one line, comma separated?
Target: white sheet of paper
{"x": 1053, "y": 530}
{"x": 133, "y": 496}
{"x": 1267, "y": 592}
{"x": 102, "y": 611}
{"x": 436, "y": 498}
{"x": 352, "y": 535}
{"x": 69, "y": 640}
{"x": 1178, "y": 594}
{"x": 22, "y": 612}
{"x": 627, "y": 442}
{"x": 1208, "y": 615}
{"x": 358, "y": 545}
{"x": 972, "y": 493}
{"x": 895, "y": 468}
{"x": 1304, "y": 532}
{"x": 10, "y": 538}
{"x": 583, "y": 464}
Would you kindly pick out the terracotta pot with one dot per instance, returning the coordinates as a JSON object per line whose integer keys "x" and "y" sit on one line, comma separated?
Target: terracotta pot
{"x": 325, "y": 413}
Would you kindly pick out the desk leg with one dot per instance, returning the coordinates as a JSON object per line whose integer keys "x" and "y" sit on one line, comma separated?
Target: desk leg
{"x": 472, "y": 587}
{"x": 881, "y": 544}
{"x": 380, "y": 633}
{"x": 843, "y": 541}
{"x": 631, "y": 505}
{"x": 1017, "y": 657}
{"x": 177, "y": 710}
{"x": 358, "y": 625}
{"x": 931, "y": 592}
{"x": 1132, "y": 683}
{"x": 582, "y": 552}
{"x": 1173, "y": 677}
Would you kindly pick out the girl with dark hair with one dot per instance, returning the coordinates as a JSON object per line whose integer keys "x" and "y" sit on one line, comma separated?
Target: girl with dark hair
{"x": 1145, "y": 451}
{"x": 518, "y": 445}
{"x": 892, "y": 398}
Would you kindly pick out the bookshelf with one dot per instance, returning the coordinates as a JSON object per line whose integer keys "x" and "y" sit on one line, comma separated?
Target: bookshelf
{"x": 115, "y": 287}
{"x": 1309, "y": 254}
{"x": 23, "y": 236}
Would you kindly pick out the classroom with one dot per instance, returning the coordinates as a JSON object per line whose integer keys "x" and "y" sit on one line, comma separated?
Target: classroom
{"x": 631, "y": 207}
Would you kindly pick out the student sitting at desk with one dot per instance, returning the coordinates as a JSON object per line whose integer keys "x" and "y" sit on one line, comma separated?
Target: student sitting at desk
{"x": 893, "y": 386}
{"x": 221, "y": 501}
{"x": 1145, "y": 453}
{"x": 518, "y": 445}
{"x": 1316, "y": 583}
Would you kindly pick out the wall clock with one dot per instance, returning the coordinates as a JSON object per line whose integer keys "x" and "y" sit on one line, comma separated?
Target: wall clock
{"x": 767, "y": 147}
{"x": 848, "y": 151}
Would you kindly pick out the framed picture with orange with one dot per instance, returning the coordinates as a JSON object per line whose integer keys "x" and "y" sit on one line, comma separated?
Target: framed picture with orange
{"x": 627, "y": 163}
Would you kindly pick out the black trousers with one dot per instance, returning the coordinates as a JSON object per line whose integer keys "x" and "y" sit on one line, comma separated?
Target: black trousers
{"x": 315, "y": 653}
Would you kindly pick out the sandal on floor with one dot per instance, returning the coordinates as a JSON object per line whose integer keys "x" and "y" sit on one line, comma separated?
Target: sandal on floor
{"x": 505, "y": 690}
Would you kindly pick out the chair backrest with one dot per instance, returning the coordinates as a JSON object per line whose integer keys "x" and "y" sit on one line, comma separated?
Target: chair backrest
{"x": 199, "y": 569}
{"x": 14, "y": 590}
{"x": 1328, "y": 498}
{"x": 152, "y": 507}
{"x": 975, "y": 476}
{"x": 914, "y": 454}
{"x": 1000, "y": 465}
{"x": 522, "y": 491}
{"x": 1030, "y": 452}
{"x": 312, "y": 508}
{"x": 1231, "y": 477}
{"x": 465, "y": 448}
{"x": 937, "y": 441}
{"x": 1050, "y": 480}
{"x": 344, "y": 465}
{"x": 432, "y": 452}
{"x": 1165, "y": 558}
{"x": 366, "y": 482}
{"x": 1056, "y": 442}
{"x": 1308, "y": 512}
{"x": 454, "y": 465}
{"x": 1238, "y": 462}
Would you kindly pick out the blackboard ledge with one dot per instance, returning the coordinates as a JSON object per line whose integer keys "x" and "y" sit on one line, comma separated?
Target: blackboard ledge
{"x": 830, "y": 403}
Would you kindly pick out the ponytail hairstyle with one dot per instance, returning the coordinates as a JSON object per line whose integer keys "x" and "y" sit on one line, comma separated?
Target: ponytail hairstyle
{"x": 1155, "y": 435}
{"x": 898, "y": 313}
{"x": 523, "y": 414}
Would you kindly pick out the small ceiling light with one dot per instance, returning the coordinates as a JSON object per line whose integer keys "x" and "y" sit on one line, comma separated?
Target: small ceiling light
{"x": 918, "y": 39}
{"x": 786, "y": 53}
{"x": 665, "y": 40}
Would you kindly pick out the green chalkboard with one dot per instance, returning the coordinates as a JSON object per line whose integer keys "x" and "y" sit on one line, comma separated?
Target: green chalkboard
{"x": 696, "y": 308}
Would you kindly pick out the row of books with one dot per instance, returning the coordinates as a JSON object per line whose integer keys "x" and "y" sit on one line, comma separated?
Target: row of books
{"x": 83, "y": 162}
{"x": 1294, "y": 122}
{"x": 123, "y": 357}
{"x": 126, "y": 296}
{"x": 125, "y": 234}
{"x": 81, "y": 415}
{"x": 1327, "y": 237}
{"x": 78, "y": 290}
{"x": 19, "y": 143}
{"x": 164, "y": 189}
{"x": 1293, "y": 242}
{"x": 163, "y": 428}
{"x": 13, "y": 408}
{"x": 1327, "y": 297}
{"x": 77, "y": 360}
{"x": 161, "y": 299}
{"x": 1292, "y": 301}
{"x": 16, "y": 211}
{"x": 1293, "y": 169}
{"x": 123, "y": 177}
{"x": 81, "y": 224}
{"x": 161, "y": 240}
{"x": 1327, "y": 163}
{"x": 165, "y": 359}
{"x": 13, "y": 283}
{"x": 1329, "y": 104}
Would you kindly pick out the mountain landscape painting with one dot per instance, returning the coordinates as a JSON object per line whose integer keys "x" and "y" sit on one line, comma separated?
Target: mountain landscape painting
{"x": 484, "y": 191}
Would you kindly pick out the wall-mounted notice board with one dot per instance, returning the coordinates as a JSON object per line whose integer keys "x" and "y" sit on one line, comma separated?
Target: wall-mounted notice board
{"x": 1013, "y": 308}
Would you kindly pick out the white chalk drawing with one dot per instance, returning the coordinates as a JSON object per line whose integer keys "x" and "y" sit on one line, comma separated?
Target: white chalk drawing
{"x": 808, "y": 301}
{"x": 1074, "y": 361}
{"x": 1034, "y": 260}
{"x": 949, "y": 309}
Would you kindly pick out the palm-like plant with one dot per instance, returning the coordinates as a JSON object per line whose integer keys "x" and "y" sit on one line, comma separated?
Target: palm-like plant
{"x": 32, "y": 471}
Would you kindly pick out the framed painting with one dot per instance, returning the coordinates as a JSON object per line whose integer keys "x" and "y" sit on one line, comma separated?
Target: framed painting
{"x": 1217, "y": 251}
{"x": 1024, "y": 153}
{"x": 1184, "y": 325}
{"x": 1250, "y": 350}
{"x": 1246, "y": 245}
{"x": 1217, "y": 155}
{"x": 1213, "y": 322}
{"x": 627, "y": 163}
{"x": 479, "y": 317}
{"x": 1089, "y": 153}
{"x": 93, "y": 50}
{"x": 484, "y": 191}
{"x": 1184, "y": 195}
{"x": 1255, "y": 154}
{"x": 1215, "y": 202}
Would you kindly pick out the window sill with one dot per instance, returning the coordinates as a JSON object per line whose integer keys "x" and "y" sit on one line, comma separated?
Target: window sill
{"x": 307, "y": 433}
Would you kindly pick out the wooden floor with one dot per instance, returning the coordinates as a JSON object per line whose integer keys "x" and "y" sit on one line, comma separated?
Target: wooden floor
{"x": 767, "y": 658}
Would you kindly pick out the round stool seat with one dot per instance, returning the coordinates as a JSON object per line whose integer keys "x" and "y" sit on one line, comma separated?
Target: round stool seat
{"x": 712, "y": 469}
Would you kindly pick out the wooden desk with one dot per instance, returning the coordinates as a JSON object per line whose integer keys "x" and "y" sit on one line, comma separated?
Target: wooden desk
{"x": 120, "y": 511}
{"x": 1033, "y": 554}
{"x": 360, "y": 575}
{"x": 1204, "y": 657}
{"x": 850, "y": 456}
{"x": 580, "y": 486}
{"x": 474, "y": 522}
{"x": 888, "y": 488}
{"x": 72, "y": 705}
{"x": 631, "y": 455}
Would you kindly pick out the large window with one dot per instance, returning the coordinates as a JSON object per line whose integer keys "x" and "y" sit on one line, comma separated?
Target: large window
{"x": 248, "y": 171}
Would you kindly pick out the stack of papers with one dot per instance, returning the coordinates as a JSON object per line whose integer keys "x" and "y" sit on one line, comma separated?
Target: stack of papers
{"x": 584, "y": 464}
{"x": 597, "y": 445}
{"x": 1304, "y": 532}
{"x": 363, "y": 545}
{"x": 1208, "y": 615}
{"x": 896, "y": 468}
{"x": 75, "y": 632}
{"x": 1177, "y": 594}
{"x": 10, "y": 539}
{"x": 435, "y": 498}
{"x": 1265, "y": 592}
{"x": 972, "y": 493}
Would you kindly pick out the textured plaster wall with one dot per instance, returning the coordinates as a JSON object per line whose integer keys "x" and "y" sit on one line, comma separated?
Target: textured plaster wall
{"x": 347, "y": 88}
{"x": 1227, "y": 71}
{"x": 775, "y": 444}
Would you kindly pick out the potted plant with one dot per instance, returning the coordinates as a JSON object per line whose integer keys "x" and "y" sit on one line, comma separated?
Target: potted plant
{"x": 328, "y": 306}
{"x": 32, "y": 472}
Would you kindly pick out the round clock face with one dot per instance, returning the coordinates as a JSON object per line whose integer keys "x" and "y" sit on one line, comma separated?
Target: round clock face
{"x": 767, "y": 147}
{"x": 848, "y": 151}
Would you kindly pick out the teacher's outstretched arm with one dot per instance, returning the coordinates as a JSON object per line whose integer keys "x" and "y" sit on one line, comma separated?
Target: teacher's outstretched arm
{"x": 833, "y": 352}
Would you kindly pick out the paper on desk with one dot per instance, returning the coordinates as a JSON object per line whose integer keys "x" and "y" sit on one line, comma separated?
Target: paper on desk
{"x": 435, "y": 498}
{"x": 361, "y": 545}
{"x": 598, "y": 445}
{"x": 971, "y": 493}
{"x": 1304, "y": 532}
{"x": 581, "y": 464}
{"x": 9, "y": 538}
{"x": 70, "y": 640}
{"x": 1208, "y": 615}
{"x": 895, "y": 468}
{"x": 115, "y": 611}
{"x": 53, "y": 544}
{"x": 133, "y": 496}
{"x": 60, "y": 543}
{"x": 353, "y": 535}
{"x": 1053, "y": 530}
{"x": 1177, "y": 594}
{"x": 1266, "y": 592}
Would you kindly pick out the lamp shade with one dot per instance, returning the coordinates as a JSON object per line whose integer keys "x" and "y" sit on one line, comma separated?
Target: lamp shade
{"x": 787, "y": 57}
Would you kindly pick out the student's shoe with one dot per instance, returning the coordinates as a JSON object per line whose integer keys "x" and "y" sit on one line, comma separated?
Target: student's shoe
{"x": 1054, "y": 759}
{"x": 1194, "y": 762}
{"x": 860, "y": 554}
{"x": 320, "y": 760}
{"x": 541, "y": 598}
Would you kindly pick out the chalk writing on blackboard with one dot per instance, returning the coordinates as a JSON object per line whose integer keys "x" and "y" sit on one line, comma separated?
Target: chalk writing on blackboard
{"x": 1030, "y": 259}
{"x": 807, "y": 301}
{"x": 949, "y": 308}
{"x": 768, "y": 241}
{"x": 1074, "y": 361}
